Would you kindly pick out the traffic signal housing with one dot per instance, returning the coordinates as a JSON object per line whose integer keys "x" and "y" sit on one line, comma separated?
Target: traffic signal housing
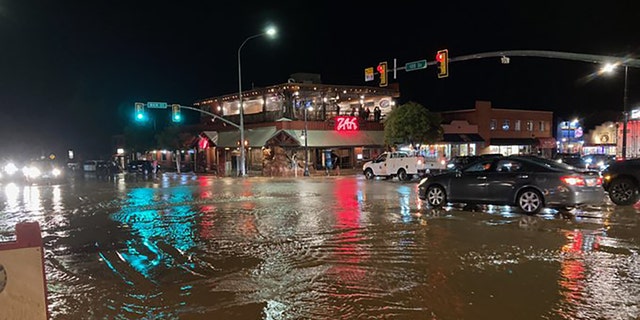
{"x": 175, "y": 113}
{"x": 139, "y": 111}
{"x": 382, "y": 69}
{"x": 442, "y": 57}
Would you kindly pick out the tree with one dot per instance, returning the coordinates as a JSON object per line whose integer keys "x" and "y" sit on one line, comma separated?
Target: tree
{"x": 172, "y": 138}
{"x": 412, "y": 123}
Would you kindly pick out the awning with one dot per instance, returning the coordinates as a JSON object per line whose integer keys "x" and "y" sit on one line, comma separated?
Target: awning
{"x": 462, "y": 137}
{"x": 331, "y": 138}
{"x": 512, "y": 141}
{"x": 546, "y": 143}
{"x": 255, "y": 138}
{"x": 328, "y": 138}
{"x": 212, "y": 135}
{"x": 260, "y": 137}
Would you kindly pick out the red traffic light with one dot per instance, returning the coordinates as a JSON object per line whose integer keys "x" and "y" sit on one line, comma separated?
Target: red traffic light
{"x": 442, "y": 57}
{"x": 382, "y": 70}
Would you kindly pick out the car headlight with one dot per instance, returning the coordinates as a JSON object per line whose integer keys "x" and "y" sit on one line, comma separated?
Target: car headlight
{"x": 32, "y": 172}
{"x": 423, "y": 181}
{"x": 56, "y": 172}
{"x": 10, "y": 168}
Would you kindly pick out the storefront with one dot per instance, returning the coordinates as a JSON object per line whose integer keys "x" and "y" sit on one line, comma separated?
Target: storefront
{"x": 347, "y": 148}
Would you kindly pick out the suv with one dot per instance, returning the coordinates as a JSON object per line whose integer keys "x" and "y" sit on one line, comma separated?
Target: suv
{"x": 572, "y": 159}
{"x": 622, "y": 180}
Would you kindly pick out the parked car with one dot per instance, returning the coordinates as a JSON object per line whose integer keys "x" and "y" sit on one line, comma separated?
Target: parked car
{"x": 459, "y": 162}
{"x": 140, "y": 166}
{"x": 92, "y": 165}
{"x": 528, "y": 182}
{"x": 622, "y": 181}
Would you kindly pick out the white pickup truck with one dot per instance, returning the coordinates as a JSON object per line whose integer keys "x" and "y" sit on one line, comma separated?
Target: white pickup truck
{"x": 402, "y": 165}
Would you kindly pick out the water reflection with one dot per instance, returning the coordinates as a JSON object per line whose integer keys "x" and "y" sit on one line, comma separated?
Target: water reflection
{"x": 597, "y": 281}
{"x": 161, "y": 226}
{"x": 339, "y": 248}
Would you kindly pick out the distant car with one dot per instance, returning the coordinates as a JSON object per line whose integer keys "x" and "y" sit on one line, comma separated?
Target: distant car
{"x": 528, "y": 182}
{"x": 597, "y": 161}
{"x": 43, "y": 171}
{"x": 459, "y": 162}
{"x": 622, "y": 181}
{"x": 10, "y": 172}
{"x": 572, "y": 159}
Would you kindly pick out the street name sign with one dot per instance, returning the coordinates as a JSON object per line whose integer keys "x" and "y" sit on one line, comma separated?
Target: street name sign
{"x": 156, "y": 105}
{"x": 415, "y": 65}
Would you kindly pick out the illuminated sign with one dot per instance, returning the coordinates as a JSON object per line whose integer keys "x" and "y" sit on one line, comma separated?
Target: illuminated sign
{"x": 346, "y": 123}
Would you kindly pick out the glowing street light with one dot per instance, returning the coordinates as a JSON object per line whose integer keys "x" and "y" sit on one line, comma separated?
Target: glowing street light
{"x": 271, "y": 31}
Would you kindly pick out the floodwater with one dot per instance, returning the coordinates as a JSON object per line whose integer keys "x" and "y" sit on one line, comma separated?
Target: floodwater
{"x": 198, "y": 247}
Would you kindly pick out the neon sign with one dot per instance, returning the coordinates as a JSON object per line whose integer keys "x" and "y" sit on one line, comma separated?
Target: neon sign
{"x": 346, "y": 123}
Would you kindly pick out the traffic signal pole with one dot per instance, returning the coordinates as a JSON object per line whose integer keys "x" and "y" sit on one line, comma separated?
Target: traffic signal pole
{"x": 215, "y": 116}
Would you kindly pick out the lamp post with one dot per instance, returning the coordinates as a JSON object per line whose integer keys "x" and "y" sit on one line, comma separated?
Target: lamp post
{"x": 625, "y": 114}
{"x": 608, "y": 68}
{"x": 306, "y": 147}
{"x": 270, "y": 32}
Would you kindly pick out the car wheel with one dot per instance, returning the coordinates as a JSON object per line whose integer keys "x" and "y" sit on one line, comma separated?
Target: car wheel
{"x": 402, "y": 175}
{"x": 623, "y": 191}
{"x": 436, "y": 197}
{"x": 530, "y": 201}
{"x": 369, "y": 174}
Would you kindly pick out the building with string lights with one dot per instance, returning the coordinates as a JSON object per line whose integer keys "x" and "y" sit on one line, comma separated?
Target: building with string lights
{"x": 329, "y": 126}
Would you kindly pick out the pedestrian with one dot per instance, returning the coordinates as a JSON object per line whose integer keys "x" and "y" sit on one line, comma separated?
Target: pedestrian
{"x": 377, "y": 114}
{"x": 367, "y": 112}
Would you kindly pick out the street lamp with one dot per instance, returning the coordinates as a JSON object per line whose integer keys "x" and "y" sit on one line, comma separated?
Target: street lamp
{"x": 608, "y": 68}
{"x": 271, "y": 31}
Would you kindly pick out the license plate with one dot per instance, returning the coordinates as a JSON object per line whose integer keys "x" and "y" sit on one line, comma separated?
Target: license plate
{"x": 591, "y": 182}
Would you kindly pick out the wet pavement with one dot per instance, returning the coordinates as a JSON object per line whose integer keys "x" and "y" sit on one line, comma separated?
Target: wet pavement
{"x": 339, "y": 247}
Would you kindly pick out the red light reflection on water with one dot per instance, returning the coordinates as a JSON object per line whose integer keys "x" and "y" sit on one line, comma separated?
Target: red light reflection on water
{"x": 348, "y": 252}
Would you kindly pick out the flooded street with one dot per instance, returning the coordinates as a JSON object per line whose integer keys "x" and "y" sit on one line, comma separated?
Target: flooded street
{"x": 200, "y": 247}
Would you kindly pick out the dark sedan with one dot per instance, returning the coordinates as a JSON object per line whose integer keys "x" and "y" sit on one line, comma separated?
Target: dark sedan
{"x": 529, "y": 183}
{"x": 622, "y": 181}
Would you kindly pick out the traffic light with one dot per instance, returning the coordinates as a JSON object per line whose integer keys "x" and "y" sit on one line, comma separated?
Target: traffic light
{"x": 175, "y": 113}
{"x": 442, "y": 57}
{"x": 139, "y": 111}
{"x": 382, "y": 70}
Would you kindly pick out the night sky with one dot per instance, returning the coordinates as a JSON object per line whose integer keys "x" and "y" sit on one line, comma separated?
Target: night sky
{"x": 70, "y": 71}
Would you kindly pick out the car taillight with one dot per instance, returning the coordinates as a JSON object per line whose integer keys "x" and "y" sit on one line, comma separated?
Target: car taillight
{"x": 573, "y": 180}
{"x": 599, "y": 181}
